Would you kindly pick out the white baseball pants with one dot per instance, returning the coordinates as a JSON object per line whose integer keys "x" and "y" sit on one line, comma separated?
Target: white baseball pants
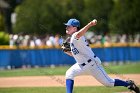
{"x": 93, "y": 68}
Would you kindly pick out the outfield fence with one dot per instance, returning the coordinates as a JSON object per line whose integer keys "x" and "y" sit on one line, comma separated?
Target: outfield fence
{"x": 16, "y": 58}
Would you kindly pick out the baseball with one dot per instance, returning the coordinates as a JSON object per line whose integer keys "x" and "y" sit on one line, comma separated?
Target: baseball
{"x": 95, "y": 21}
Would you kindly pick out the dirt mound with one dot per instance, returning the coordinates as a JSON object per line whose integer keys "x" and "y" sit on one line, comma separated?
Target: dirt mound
{"x": 59, "y": 81}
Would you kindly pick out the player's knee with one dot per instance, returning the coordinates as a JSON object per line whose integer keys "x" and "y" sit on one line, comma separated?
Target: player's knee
{"x": 69, "y": 75}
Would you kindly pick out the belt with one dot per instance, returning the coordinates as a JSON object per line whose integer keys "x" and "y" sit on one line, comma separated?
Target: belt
{"x": 88, "y": 61}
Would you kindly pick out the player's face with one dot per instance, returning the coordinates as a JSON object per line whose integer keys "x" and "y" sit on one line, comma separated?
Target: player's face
{"x": 70, "y": 30}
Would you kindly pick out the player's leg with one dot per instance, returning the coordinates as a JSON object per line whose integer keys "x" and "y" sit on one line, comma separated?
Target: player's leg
{"x": 73, "y": 71}
{"x": 99, "y": 73}
{"x": 69, "y": 85}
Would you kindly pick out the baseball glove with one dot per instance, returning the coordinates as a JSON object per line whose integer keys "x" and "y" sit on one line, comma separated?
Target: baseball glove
{"x": 66, "y": 45}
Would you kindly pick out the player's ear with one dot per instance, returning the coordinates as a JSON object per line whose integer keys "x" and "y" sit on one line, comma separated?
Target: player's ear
{"x": 75, "y": 28}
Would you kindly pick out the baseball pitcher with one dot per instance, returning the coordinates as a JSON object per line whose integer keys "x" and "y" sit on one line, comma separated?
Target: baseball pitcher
{"x": 86, "y": 61}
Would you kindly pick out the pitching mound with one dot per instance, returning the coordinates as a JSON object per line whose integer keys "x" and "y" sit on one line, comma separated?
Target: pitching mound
{"x": 59, "y": 81}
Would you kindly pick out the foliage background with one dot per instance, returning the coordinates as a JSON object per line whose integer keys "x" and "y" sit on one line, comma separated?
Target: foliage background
{"x": 43, "y": 17}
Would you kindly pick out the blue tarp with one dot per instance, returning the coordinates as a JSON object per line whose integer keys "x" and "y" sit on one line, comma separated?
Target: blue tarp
{"x": 45, "y": 57}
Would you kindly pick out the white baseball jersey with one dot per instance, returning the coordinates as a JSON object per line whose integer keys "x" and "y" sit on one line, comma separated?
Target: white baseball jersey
{"x": 82, "y": 53}
{"x": 80, "y": 49}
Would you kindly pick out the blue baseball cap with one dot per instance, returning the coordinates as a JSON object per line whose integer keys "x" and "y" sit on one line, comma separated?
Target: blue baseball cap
{"x": 73, "y": 22}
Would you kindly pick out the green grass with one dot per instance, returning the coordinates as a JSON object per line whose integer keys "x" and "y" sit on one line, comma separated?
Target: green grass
{"x": 133, "y": 68}
{"x": 111, "y": 69}
{"x": 62, "y": 90}
{"x": 34, "y": 71}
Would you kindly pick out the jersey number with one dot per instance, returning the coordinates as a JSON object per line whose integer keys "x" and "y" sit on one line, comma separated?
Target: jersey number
{"x": 74, "y": 50}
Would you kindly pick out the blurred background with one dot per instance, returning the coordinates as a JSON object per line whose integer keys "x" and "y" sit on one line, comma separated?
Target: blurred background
{"x": 32, "y": 31}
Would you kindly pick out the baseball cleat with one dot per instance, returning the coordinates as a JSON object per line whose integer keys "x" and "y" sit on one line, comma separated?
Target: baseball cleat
{"x": 133, "y": 86}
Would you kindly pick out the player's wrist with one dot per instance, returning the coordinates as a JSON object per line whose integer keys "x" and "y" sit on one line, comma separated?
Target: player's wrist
{"x": 90, "y": 24}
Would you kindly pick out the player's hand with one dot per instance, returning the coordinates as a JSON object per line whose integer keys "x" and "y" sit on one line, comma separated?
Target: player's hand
{"x": 66, "y": 45}
{"x": 93, "y": 22}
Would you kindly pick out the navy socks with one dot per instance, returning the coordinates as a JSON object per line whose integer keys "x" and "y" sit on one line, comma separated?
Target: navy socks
{"x": 121, "y": 83}
{"x": 69, "y": 85}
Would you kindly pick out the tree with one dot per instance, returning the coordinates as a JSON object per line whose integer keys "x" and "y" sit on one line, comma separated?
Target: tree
{"x": 43, "y": 16}
{"x": 100, "y": 10}
{"x": 28, "y": 15}
{"x": 1, "y": 23}
{"x": 125, "y": 18}
{"x": 8, "y": 7}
